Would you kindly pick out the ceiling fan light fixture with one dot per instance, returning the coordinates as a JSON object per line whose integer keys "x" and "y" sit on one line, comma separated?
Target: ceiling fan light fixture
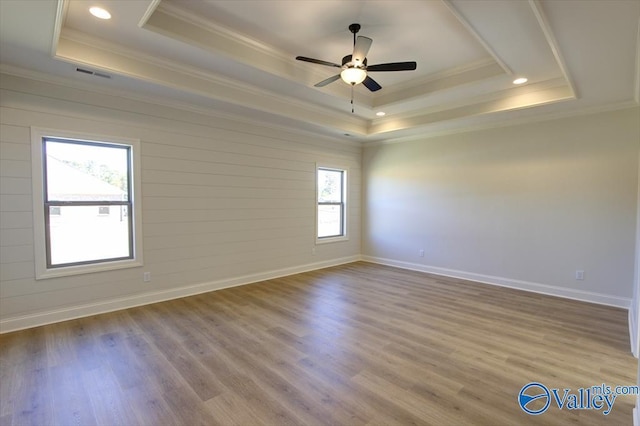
{"x": 353, "y": 75}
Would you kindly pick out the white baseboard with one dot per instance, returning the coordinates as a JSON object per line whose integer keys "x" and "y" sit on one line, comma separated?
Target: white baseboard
{"x": 53, "y": 316}
{"x": 585, "y": 296}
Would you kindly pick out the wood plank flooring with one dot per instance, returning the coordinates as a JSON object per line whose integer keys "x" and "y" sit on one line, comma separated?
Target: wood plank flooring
{"x": 358, "y": 344}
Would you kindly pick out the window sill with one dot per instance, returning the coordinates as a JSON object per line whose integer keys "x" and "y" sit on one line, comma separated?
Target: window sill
{"x": 328, "y": 240}
{"x": 86, "y": 269}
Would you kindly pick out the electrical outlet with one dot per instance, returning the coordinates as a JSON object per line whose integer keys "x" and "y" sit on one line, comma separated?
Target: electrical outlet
{"x": 421, "y": 252}
{"x": 146, "y": 277}
{"x": 579, "y": 274}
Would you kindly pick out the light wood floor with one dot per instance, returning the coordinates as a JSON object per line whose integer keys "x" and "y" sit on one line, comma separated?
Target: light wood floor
{"x": 350, "y": 345}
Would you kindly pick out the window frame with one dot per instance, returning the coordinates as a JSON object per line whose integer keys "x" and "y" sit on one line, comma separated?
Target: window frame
{"x": 344, "y": 203}
{"x": 43, "y": 267}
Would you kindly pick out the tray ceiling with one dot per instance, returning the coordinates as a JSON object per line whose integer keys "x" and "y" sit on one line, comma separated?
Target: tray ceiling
{"x": 238, "y": 58}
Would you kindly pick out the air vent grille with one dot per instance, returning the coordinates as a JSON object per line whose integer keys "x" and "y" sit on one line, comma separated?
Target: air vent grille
{"x": 91, "y": 72}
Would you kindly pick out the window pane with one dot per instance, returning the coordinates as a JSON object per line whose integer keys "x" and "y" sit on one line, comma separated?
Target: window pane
{"x": 81, "y": 233}
{"x": 82, "y": 172}
{"x": 329, "y": 186}
{"x": 329, "y": 221}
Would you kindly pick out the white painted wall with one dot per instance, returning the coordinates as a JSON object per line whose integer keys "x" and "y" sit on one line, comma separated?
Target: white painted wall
{"x": 522, "y": 206}
{"x": 224, "y": 202}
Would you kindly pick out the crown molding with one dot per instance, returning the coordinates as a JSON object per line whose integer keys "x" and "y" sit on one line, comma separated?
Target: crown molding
{"x": 509, "y": 122}
{"x": 477, "y": 36}
{"x": 162, "y": 102}
{"x": 541, "y": 17}
{"x": 61, "y": 14}
{"x": 519, "y": 101}
{"x": 231, "y": 40}
{"x": 425, "y": 134}
{"x": 150, "y": 11}
{"x": 176, "y": 22}
{"x": 79, "y": 48}
{"x": 180, "y": 24}
{"x": 513, "y": 98}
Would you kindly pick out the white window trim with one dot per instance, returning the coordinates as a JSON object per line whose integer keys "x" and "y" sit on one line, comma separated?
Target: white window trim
{"x": 37, "y": 163}
{"x": 345, "y": 193}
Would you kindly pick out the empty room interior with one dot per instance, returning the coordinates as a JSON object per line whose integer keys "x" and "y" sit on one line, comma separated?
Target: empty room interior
{"x": 319, "y": 212}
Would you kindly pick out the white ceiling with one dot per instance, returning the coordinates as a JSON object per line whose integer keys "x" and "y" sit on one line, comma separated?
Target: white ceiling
{"x": 238, "y": 58}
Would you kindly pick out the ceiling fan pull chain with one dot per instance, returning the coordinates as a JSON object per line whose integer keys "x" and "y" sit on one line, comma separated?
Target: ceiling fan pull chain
{"x": 352, "y": 86}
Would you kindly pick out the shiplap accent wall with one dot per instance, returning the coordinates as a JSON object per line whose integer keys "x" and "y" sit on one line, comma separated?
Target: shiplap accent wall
{"x": 224, "y": 202}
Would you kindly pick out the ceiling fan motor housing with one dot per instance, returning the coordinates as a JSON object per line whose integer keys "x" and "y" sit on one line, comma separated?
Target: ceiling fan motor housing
{"x": 347, "y": 60}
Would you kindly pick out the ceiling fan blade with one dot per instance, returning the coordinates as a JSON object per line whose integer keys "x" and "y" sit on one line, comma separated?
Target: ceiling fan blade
{"x": 327, "y": 81}
{"x": 317, "y": 61}
{"x": 393, "y": 66}
{"x": 371, "y": 84}
{"x": 360, "y": 49}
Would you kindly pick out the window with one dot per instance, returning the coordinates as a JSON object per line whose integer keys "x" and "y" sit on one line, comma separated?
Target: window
{"x": 84, "y": 188}
{"x": 331, "y": 211}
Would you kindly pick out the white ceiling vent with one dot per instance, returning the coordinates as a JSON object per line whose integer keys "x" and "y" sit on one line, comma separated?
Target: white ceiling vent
{"x": 90, "y": 72}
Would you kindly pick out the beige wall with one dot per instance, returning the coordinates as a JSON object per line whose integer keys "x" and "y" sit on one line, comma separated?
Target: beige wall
{"x": 224, "y": 202}
{"x": 523, "y": 206}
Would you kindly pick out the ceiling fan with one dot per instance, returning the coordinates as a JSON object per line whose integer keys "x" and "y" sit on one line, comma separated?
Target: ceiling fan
{"x": 354, "y": 67}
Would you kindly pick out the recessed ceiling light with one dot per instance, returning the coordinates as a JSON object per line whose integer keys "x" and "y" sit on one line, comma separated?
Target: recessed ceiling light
{"x": 100, "y": 13}
{"x": 520, "y": 80}
{"x": 381, "y": 113}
